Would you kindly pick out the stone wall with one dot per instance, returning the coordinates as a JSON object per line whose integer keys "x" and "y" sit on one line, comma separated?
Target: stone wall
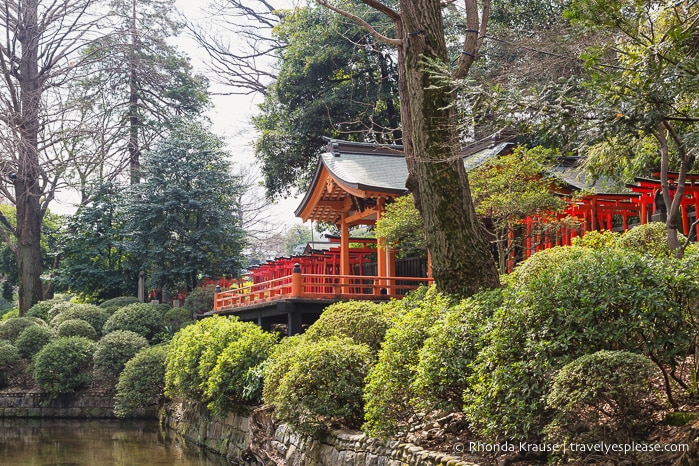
{"x": 232, "y": 437}
{"x": 37, "y": 404}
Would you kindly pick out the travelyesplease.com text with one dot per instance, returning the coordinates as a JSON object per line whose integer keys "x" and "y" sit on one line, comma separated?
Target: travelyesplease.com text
{"x": 596, "y": 447}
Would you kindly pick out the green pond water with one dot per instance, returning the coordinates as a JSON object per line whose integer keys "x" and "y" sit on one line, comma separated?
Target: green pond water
{"x": 54, "y": 442}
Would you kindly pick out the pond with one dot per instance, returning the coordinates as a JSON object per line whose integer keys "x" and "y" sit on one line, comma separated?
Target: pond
{"x": 54, "y": 442}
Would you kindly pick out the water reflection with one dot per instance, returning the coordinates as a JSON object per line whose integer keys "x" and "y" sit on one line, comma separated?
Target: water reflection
{"x": 53, "y": 442}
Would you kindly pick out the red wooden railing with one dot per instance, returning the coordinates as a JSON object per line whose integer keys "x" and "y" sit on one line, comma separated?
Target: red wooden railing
{"x": 318, "y": 286}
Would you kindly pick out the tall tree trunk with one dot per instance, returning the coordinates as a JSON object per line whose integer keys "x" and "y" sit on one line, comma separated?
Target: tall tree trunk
{"x": 26, "y": 183}
{"x": 462, "y": 263}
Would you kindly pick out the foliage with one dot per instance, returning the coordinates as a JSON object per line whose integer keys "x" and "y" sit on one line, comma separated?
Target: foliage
{"x": 401, "y": 226}
{"x": 63, "y": 365}
{"x": 363, "y": 322}
{"x": 10, "y": 359}
{"x": 182, "y": 218}
{"x": 76, "y": 328}
{"x": 201, "y": 299}
{"x": 9, "y": 314}
{"x": 445, "y": 359}
{"x": 512, "y": 187}
{"x": 12, "y": 328}
{"x": 142, "y": 381}
{"x": 95, "y": 262}
{"x": 650, "y": 238}
{"x": 597, "y": 240}
{"x": 143, "y": 319}
{"x": 32, "y": 339}
{"x": 388, "y": 393}
{"x": 322, "y": 384}
{"x": 193, "y": 353}
{"x": 546, "y": 261}
{"x": 571, "y": 310}
{"x": 237, "y": 377}
{"x": 88, "y": 312}
{"x": 111, "y": 305}
{"x": 42, "y": 308}
{"x": 114, "y": 350}
{"x": 600, "y": 397}
{"x": 334, "y": 80}
{"x": 177, "y": 318}
{"x": 298, "y": 236}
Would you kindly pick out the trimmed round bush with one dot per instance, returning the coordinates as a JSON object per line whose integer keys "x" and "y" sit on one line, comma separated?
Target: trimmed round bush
{"x": 322, "y": 384}
{"x": 178, "y": 317}
{"x": 388, "y": 392}
{"x": 63, "y": 365}
{"x": 453, "y": 343}
{"x": 601, "y": 397}
{"x": 10, "y": 360}
{"x": 650, "y": 239}
{"x": 237, "y": 377}
{"x": 76, "y": 328}
{"x": 111, "y": 305}
{"x": 87, "y": 312}
{"x": 201, "y": 299}
{"x": 114, "y": 350}
{"x": 32, "y": 339}
{"x": 142, "y": 382}
{"x": 362, "y": 321}
{"x": 194, "y": 353}
{"x": 42, "y": 308}
{"x": 140, "y": 318}
{"x": 597, "y": 240}
{"x": 12, "y": 328}
{"x": 548, "y": 260}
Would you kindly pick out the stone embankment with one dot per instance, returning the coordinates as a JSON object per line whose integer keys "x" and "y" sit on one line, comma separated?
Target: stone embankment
{"x": 280, "y": 445}
{"x": 38, "y": 405}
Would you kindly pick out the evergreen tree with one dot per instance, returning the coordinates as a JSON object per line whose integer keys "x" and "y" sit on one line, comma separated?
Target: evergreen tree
{"x": 183, "y": 221}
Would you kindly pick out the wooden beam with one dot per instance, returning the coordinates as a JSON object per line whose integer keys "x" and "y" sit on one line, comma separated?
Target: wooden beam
{"x": 361, "y": 215}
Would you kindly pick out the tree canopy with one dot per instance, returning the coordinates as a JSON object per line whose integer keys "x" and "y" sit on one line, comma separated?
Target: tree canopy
{"x": 182, "y": 218}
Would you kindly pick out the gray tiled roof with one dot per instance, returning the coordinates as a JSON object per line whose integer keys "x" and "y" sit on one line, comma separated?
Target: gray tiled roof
{"x": 386, "y": 170}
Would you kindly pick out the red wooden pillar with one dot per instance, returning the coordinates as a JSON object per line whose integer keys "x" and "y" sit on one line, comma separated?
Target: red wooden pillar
{"x": 344, "y": 250}
{"x": 685, "y": 217}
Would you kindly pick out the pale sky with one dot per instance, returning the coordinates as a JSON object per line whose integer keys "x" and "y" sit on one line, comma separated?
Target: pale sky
{"x": 231, "y": 119}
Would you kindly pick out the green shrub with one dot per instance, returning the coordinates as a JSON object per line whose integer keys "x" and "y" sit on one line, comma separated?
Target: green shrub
{"x": 141, "y": 318}
{"x": 87, "y": 312}
{"x": 600, "y": 397}
{"x": 42, "y": 308}
{"x": 12, "y": 328}
{"x": 194, "y": 352}
{"x": 63, "y": 365}
{"x": 111, "y": 305}
{"x": 178, "y": 317}
{"x": 32, "y": 339}
{"x": 76, "y": 328}
{"x": 57, "y": 308}
{"x": 597, "y": 240}
{"x": 610, "y": 299}
{"x": 114, "y": 350}
{"x": 650, "y": 239}
{"x": 452, "y": 345}
{"x": 10, "y": 360}
{"x": 237, "y": 377}
{"x": 201, "y": 299}
{"x": 548, "y": 260}
{"x": 322, "y": 384}
{"x": 362, "y": 321}
{"x": 8, "y": 313}
{"x": 142, "y": 381}
{"x": 388, "y": 392}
